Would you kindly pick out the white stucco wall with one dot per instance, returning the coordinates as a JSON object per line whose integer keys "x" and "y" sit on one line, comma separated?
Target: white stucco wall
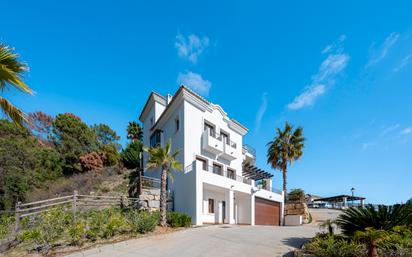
{"x": 187, "y": 186}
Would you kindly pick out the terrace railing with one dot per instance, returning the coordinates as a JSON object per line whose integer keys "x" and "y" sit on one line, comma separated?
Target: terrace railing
{"x": 225, "y": 173}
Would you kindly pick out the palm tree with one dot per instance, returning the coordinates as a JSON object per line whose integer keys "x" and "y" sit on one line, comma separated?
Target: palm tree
{"x": 165, "y": 160}
{"x": 372, "y": 237}
{"x": 329, "y": 224}
{"x": 11, "y": 70}
{"x": 285, "y": 148}
{"x": 383, "y": 218}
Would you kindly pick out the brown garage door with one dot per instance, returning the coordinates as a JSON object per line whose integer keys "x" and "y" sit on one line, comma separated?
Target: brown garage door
{"x": 267, "y": 212}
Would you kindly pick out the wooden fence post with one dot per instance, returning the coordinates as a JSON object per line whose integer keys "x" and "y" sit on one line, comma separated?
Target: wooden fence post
{"x": 75, "y": 193}
{"x": 121, "y": 202}
{"x": 17, "y": 215}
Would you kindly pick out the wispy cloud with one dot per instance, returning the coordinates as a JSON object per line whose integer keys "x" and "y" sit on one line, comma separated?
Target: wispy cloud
{"x": 378, "y": 54}
{"x": 406, "y": 131}
{"x": 404, "y": 62}
{"x": 191, "y": 47}
{"x": 195, "y": 82}
{"x": 262, "y": 109}
{"x": 335, "y": 63}
{"x": 387, "y": 135}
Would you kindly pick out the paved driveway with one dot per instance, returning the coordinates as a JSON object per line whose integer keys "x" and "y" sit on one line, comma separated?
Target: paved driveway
{"x": 211, "y": 241}
{"x": 216, "y": 241}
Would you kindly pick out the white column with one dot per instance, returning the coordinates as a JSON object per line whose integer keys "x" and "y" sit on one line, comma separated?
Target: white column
{"x": 230, "y": 207}
{"x": 282, "y": 210}
{"x": 199, "y": 194}
{"x": 252, "y": 209}
{"x": 344, "y": 203}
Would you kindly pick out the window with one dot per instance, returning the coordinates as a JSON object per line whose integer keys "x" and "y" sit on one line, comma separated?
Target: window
{"x": 231, "y": 173}
{"x": 217, "y": 169}
{"x": 211, "y": 206}
{"x": 177, "y": 124}
{"x": 210, "y": 128}
{"x": 225, "y": 137}
{"x": 203, "y": 161}
{"x": 155, "y": 138}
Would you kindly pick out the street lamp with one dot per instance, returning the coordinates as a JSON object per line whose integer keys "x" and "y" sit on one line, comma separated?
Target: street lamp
{"x": 353, "y": 191}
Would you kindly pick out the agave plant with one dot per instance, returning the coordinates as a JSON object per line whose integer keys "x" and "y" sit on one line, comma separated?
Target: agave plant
{"x": 381, "y": 218}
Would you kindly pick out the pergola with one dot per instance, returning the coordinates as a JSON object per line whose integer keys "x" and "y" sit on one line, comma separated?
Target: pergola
{"x": 252, "y": 172}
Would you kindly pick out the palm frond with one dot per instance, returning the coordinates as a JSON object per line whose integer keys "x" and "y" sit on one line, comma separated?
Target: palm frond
{"x": 15, "y": 114}
{"x": 11, "y": 70}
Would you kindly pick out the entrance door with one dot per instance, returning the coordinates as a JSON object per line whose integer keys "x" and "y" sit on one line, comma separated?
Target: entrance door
{"x": 223, "y": 211}
{"x": 267, "y": 212}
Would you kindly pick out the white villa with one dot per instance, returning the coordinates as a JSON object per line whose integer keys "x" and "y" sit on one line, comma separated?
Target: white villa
{"x": 220, "y": 182}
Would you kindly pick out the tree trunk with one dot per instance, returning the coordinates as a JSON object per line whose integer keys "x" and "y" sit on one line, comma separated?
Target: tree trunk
{"x": 284, "y": 177}
{"x": 163, "y": 197}
{"x": 373, "y": 251}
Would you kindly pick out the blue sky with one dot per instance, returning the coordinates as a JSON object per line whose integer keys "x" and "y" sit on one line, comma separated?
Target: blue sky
{"x": 341, "y": 71}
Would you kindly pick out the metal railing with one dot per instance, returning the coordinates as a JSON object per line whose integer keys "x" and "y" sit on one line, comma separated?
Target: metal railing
{"x": 219, "y": 137}
{"x": 149, "y": 182}
{"x": 249, "y": 149}
{"x": 225, "y": 173}
{"x": 268, "y": 188}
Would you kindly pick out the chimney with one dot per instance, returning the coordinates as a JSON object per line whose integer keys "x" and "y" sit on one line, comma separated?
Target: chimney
{"x": 169, "y": 99}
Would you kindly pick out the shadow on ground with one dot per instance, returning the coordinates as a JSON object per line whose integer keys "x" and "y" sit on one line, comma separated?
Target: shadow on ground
{"x": 295, "y": 242}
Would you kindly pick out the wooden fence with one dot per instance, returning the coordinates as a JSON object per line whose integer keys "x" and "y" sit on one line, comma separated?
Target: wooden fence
{"x": 74, "y": 202}
{"x": 78, "y": 201}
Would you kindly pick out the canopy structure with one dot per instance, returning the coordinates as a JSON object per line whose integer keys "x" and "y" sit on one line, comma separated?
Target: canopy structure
{"x": 340, "y": 198}
{"x": 252, "y": 172}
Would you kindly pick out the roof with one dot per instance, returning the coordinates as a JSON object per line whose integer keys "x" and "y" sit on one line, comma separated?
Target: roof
{"x": 152, "y": 97}
{"x": 339, "y": 198}
{"x": 184, "y": 88}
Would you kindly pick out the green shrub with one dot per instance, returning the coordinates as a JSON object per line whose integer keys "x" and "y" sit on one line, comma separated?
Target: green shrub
{"x": 143, "y": 221}
{"x": 46, "y": 229}
{"x": 324, "y": 245}
{"x": 131, "y": 155}
{"x": 176, "y": 219}
{"x": 6, "y": 225}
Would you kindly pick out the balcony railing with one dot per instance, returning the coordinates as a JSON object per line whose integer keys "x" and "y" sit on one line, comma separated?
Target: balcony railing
{"x": 249, "y": 149}
{"x": 226, "y": 174}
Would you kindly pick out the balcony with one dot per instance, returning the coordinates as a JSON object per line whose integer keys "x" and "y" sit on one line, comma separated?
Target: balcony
{"x": 211, "y": 142}
{"x": 229, "y": 151}
{"x": 228, "y": 175}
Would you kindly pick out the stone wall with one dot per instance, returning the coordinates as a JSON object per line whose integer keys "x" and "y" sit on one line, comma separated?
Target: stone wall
{"x": 149, "y": 199}
{"x": 297, "y": 209}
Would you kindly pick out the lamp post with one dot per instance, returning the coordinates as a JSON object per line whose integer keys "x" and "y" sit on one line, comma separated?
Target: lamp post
{"x": 353, "y": 191}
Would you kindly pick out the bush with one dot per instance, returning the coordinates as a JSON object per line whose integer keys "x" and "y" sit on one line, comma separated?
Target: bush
{"x": 324, "y": 245}
{"x": 131, "y": 155}
{"x": 6, "y": 225}
{"x": 91, "y": 161}
{"x": 296, "y": 195}
{"x": 44, "y": 231}
{"x": 176, "y": 219}
{"x": 111, "y": 153}
{"x": 143, "y": 221}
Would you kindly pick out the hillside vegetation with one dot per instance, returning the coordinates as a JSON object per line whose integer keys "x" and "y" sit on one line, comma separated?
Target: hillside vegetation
{"x": 53, "y": 156}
